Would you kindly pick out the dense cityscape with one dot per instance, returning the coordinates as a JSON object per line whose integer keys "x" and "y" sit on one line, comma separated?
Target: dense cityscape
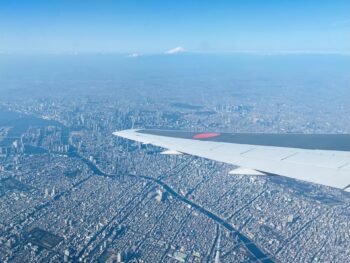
{"x": 174, "y": 131}
{"x": 70, "y": 191}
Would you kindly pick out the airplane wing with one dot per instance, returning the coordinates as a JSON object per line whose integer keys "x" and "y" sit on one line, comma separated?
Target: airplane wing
{"x": 317, "y": 158}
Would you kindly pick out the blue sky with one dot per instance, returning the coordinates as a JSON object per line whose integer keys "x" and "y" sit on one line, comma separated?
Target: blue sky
{"x": 154, "y": 26}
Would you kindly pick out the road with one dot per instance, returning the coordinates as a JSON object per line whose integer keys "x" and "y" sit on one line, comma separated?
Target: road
{"x": 254, "y": 250}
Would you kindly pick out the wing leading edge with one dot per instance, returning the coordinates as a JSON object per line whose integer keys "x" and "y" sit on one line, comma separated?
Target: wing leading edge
{"x": 326, "y": 162}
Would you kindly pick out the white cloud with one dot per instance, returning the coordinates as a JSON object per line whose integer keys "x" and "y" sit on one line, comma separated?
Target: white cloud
{"x": 134, "y": 55}
{"x": 175, "y": 50}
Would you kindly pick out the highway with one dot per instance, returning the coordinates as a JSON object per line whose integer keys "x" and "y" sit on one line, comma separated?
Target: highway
{"x": 254, "y": 250}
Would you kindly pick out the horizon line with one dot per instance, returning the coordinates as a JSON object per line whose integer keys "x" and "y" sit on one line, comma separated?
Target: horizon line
{"x": 147, "y": 54}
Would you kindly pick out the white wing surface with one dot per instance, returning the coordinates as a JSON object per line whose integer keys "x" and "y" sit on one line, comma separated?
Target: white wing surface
{"x": 321, "y": 159}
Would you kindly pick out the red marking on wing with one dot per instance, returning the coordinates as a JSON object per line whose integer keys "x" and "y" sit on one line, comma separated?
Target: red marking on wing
{"x": 206, "y": 135}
